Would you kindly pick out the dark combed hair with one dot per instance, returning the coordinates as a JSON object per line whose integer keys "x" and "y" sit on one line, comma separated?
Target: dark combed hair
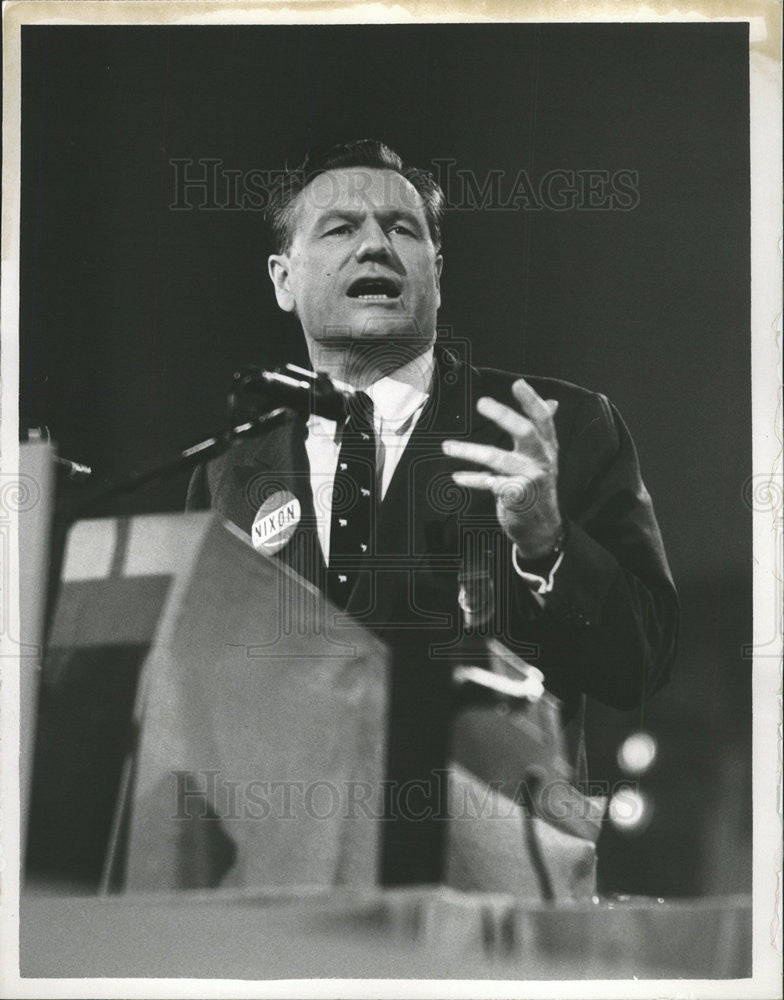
{"x": 359, "y": 153}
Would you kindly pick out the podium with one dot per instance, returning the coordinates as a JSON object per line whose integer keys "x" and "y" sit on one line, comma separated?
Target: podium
{"x": 254, "y": 753}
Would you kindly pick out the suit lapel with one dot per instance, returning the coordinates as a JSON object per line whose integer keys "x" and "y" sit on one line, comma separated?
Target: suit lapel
{"x": 280, "y": 465}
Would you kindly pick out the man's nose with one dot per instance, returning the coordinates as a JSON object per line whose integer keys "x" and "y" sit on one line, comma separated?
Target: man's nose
{"x": 373, "y": 242}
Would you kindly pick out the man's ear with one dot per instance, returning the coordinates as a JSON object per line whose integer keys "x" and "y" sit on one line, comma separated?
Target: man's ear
{"x": 279, "y": 271}
{"x": 439, "y": 264}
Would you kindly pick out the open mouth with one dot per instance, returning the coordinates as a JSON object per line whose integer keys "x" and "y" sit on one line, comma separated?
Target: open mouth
{"x": 373, "y": 289}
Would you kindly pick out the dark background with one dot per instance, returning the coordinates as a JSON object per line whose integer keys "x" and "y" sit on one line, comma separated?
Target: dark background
{"x": 134, "y": 316}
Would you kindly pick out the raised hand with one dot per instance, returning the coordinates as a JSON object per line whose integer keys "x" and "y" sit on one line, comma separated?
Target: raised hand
{"x": 524, "y": 480}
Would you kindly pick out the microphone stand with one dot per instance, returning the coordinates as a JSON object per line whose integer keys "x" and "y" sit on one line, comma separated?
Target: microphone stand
{"x": 202, "y": 451}
{"x": 261, "y": 396}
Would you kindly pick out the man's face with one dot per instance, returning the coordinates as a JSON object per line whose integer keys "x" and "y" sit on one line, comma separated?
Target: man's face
{"x": 361, "y": 263}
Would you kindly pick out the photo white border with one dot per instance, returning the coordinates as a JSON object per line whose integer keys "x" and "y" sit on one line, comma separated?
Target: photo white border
{"x": 765, "y": 23}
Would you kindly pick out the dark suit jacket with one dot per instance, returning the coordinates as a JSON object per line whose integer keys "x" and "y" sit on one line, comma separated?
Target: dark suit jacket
{"x": 608, "y": 628}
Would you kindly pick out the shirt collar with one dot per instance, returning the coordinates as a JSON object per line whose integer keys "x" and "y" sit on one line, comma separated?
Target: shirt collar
{"x": 396, "y": 397}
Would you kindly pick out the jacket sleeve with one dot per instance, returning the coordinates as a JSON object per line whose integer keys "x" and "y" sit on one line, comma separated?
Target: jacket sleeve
{"x": 608, "y": 628}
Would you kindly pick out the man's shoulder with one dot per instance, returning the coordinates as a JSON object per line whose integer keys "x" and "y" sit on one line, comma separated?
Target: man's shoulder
{"x": 496, "y": 382}
{"x": 582, "y": 413}
{"x": 267, "y": 446}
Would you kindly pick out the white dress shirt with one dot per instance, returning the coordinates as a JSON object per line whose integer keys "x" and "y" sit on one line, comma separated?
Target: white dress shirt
{"x": 398, "y": 401}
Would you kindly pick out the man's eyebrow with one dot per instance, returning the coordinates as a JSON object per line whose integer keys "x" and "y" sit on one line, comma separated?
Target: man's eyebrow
{"x": 384, "y": 214}
{"x": 400, "y": 213}
{"x": 338, "y": 213}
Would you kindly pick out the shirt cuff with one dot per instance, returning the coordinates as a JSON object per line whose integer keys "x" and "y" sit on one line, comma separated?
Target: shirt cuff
{"x": 539, "y": 584}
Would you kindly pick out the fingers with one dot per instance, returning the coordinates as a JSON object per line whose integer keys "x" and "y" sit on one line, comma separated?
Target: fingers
{"x": 539, "y": 411}
{"x": 536, "y": 418}
{"x": 508, "y": 463}
{"x": 515, "y": 493}
{"x": 526, "y": 436}
{"x": 530, "y": 401}
{"x": 508, "y": 419}
{"x": 478, "y": 480}
{"x": 532, "y": 433}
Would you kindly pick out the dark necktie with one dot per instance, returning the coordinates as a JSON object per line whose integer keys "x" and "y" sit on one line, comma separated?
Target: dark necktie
{"x": 353, "y": 501}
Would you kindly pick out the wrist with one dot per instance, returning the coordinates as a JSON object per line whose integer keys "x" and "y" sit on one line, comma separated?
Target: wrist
{"x": 542, "y": 563}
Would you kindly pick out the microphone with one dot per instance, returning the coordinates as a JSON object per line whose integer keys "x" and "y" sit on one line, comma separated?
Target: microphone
{"x": 307, "y": 392}
{"x": 77, "y": 471}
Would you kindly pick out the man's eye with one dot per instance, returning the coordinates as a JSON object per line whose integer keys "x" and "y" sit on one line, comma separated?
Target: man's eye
{"x": 339, "y": 230}
{"x": 400, "y": 228}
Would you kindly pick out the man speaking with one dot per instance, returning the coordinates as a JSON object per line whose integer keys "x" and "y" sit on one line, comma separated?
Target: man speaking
{"x": 450, "y": 493}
